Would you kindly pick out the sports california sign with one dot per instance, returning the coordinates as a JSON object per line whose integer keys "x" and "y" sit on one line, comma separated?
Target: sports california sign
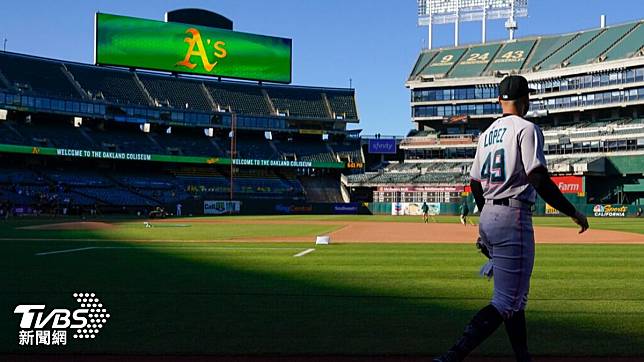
{"x": 610, "y": 210}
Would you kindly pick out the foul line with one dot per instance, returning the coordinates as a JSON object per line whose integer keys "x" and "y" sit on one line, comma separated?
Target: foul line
{"x": 160, "y": 247}
{"x": 66, "y": 251}
{"x": 307, "y": 251}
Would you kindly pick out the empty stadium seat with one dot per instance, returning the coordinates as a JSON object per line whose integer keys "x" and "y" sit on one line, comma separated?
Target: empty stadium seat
{"x": 628, "y": 45}
{"x": 545, "y": 47}
{"x": 598, "y": 45}
{"x": 37, "y": 76}
{"x": 187, "y": 143}
{"x": 348, "y": 150}
{"x": 121, "y": 140}
{"x": 343, "y": 104}
{"x": 298, "y": 102}
{"x": 116, "y": 86}
{"x": 239, "y": 98}
{"x": 556, "y": 59}
{"x": 306, "y": 151}
{"x": 176, "y": 92}
{"x": 52, "y": 134}
{"x": 474, "y": 61}
{"x": 251, "y": 146}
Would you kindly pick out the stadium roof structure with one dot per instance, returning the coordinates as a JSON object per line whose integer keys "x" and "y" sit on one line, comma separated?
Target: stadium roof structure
{"x": 623, "y": 42}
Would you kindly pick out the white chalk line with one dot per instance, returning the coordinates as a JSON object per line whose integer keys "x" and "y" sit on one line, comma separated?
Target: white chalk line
{"x": 159, "y": 247}
{"x": 65, "y": 251}
{"x": 307, "y": 251}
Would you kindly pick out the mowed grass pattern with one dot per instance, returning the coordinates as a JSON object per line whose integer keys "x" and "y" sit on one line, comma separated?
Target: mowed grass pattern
{"x": 256, "y": 298}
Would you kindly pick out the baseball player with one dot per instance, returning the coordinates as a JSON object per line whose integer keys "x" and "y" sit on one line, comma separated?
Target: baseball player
{"x": 509, "y": 170}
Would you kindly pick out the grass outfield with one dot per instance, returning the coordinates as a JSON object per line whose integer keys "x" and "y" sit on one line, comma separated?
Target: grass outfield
{"x": 256, "y": 298}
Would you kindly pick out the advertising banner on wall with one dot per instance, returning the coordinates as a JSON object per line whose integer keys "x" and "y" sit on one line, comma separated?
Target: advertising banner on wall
{"x": 551, "y": 210}
{"x": 382, "y": 146}
{"x": 569, "y": 184}
{"x": 346, "y": 208}
{"x": 221, "y": 207}
{"x": 455, "y": 188}
{"x": 610, "y": 210}
{"x": 294, "y": 208}
{"x": 414, "y": 208}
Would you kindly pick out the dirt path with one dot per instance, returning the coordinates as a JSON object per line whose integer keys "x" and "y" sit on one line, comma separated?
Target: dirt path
{"x": 359, "y": 232}
{"x": 404, "y": 232}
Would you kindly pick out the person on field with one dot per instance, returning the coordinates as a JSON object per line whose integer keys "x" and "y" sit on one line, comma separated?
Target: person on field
{"x": 425, "y": 209}
{"x": 509, "y": 170}
{"x": 465, "y": 210}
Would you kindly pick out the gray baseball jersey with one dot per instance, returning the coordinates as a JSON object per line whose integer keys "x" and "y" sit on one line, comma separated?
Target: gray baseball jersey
{"x": 506, "y": 153}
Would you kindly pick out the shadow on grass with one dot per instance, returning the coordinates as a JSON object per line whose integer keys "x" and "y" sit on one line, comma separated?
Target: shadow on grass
{"x": 265, "y": 303}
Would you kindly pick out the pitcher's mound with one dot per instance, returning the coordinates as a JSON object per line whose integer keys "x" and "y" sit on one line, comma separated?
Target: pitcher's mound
{"x": 78, "y": 225}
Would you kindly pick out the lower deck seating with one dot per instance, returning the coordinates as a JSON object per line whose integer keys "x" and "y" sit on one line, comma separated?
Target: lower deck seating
{"x": 306, "y": 150}
{"x": 54, "y": 134}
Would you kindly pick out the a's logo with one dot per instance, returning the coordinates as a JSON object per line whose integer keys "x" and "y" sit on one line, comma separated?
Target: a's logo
{"x": 42, "y": 326}
{"x": 196, "y": 48}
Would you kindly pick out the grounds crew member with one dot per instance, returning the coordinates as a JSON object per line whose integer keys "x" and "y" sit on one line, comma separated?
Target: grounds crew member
{"x": 425, "y": 209}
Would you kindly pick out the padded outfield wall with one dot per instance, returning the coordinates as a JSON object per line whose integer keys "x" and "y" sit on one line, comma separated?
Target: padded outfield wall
{"x": 586, "y": 193}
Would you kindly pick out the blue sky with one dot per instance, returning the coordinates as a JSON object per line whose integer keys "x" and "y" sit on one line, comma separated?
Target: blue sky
{"x": 375, "y": 43}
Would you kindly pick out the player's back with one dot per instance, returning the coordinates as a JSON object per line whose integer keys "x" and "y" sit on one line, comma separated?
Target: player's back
{"x": 506, "y": 153}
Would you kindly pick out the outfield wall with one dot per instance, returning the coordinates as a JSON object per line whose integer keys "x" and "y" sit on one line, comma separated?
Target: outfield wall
{"x": 540, "y": 208}
{"x": 213, "y": 207}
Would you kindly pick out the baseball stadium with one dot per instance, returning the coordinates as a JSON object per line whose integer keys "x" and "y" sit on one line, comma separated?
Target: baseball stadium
{"x": 181, "y": 199}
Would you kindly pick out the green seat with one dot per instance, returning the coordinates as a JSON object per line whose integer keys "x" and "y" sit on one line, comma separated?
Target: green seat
{"x": 474, "y": 62}
{"x": 512, "y": 56}
{"x": 555, "y": 60}
{"x": 600, "y": 44}
{"x": 629, "y": 45}
{"x": 545, "y": 47}
{"x": 443, "y": 62}
{"x": 423, "y": 60}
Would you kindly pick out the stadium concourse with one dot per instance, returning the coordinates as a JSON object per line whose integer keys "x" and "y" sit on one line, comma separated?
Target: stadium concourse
{"x": 589, "y": 95}
{"x": 146, "y": 140}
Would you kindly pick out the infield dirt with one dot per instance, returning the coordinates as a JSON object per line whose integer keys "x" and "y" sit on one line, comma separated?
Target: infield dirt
{"x": 403, "y": 232}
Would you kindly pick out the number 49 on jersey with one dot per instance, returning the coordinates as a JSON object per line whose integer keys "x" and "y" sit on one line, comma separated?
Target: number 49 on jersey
{"x": 493, "y": 169}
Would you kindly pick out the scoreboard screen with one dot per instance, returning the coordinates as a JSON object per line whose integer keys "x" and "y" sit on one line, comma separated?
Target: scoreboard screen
{"x": 184, "y": 48}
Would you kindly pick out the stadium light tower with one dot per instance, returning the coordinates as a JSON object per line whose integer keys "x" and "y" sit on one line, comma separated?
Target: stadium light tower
{"x": 432, "y": 12}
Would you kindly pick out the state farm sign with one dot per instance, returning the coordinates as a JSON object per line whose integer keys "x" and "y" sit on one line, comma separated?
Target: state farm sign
{"x": 569, "y": 184}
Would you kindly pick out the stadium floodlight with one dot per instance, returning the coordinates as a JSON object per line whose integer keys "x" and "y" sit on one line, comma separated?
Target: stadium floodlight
{"x": 432, "y": 12}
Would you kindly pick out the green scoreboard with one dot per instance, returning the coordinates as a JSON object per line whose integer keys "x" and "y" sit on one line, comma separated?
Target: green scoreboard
{"x": 184, "y": 48}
